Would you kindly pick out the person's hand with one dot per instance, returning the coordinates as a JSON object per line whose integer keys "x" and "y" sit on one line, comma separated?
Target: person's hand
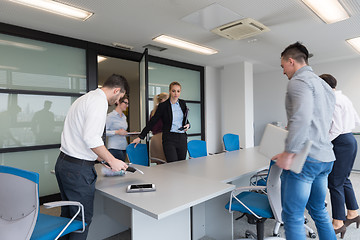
{"x": 136, "y": 141}
{"x": 284, "y": 160}
{"x": 118, "y": 165}
{"x": 122, "y": 132}
{"x": 186, "y": 127}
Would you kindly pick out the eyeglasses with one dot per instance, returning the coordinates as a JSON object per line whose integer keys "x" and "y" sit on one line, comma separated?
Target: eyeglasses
{"x": 127, "y": 103}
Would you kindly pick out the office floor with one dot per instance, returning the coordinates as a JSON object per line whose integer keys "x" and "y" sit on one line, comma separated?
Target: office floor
{"x": 241, "y": 225}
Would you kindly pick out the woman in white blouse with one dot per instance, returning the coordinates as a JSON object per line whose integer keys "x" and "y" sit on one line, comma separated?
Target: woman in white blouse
{"x": 116, "y": 129}
{"x": 345, "y": 119}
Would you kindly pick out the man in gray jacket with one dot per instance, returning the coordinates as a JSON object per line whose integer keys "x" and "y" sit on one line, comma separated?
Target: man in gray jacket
{"x": 309, "y": 106}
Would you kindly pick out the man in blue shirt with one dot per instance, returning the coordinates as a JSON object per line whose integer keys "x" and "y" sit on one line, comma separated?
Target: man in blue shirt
{"x": 309, "y": 105}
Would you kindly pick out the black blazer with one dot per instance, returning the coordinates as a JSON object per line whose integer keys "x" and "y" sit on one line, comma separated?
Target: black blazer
{"x": 164, "y": 113}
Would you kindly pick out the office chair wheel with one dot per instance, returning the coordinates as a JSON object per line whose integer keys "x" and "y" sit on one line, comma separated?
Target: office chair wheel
{"x": 312, "y": 235}
{"x": 249, "y": 234}
{"x": 276, "y": 235}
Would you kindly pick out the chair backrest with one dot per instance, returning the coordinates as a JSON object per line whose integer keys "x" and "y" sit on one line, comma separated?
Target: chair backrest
{"x": 272, "y": 141}
{"x": 139, "y": 154}
{"x": 273, "y": 186}
{"x": 231, "y": 142}
{"x": 197, "y": 148}
{"x": 19, "y": 203}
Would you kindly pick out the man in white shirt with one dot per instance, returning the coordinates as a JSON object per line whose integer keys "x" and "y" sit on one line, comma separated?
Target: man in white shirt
{"x": 82, "y": 145}
{"x": 345, "y": 119}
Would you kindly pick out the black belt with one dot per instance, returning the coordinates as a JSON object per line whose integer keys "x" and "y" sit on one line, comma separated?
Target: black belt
{"x": 76, "y": 160}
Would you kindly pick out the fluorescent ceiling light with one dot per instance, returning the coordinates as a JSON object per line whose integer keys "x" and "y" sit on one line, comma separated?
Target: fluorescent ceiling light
{"x": 184, "y": 45}
{"x": 330, "y": 11}
{"x": 355, "y": 43}
{"x": 100, "y": 59}
{"x": 57, "y": 7}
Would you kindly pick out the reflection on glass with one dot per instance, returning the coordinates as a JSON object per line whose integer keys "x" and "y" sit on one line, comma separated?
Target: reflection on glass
{"x": 194, "y": 117}
{"x": 160, "y": 76}
{"x": 43, "y": 124}
{"x": 8, "y": 120}
{"x": 41, "y": 161}
{"x": 29, "y": 120}
{"x": 42, "y": 67}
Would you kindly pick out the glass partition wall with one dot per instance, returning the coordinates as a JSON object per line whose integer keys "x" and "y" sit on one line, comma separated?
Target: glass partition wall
{"x": 38, "y": 83}
{"x": 162, "y": 73}
{"x": 42, "y": 74}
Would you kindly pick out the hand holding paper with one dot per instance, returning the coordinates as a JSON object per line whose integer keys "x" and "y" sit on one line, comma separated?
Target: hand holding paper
{"x": 272, "y": 145}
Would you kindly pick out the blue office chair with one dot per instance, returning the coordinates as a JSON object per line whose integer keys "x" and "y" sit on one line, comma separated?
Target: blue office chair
{"x": 139, "y": 155}
{"x": 197, "y": 148}
{"x": 261, "y": 206}
{"x": 19, "y": 209}
{"x": 231, "y": 142}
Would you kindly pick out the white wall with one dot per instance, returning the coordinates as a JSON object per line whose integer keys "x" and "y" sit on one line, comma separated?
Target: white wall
{"x": 213, "y": 105}
{"x": 237, "y": 102}
{"x": 270, "y": 89}
{"x": 269, "y": 101}
{"x": 347, "y": 74}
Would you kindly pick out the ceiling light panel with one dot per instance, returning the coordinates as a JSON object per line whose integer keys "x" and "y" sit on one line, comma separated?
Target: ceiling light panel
{"x": 57, "y": 8}
{"x": 355, "y": 43}
{"x": 175, "y": 42}
{"x": 330, "y": 11}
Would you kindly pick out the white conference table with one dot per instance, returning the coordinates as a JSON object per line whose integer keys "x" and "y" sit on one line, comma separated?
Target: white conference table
{"x": 188, "y": 202}
{"x": 223, "y": 167}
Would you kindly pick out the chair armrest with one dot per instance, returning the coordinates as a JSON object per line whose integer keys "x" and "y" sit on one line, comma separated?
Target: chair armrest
{"x": 264, "y": 171}
{"x": 238, "y": 190}
{"x": 68, "y": 203}
{"x": 61, "y": 203}
{"x": 249, "y": 188}
{"x": 264, "y": 174}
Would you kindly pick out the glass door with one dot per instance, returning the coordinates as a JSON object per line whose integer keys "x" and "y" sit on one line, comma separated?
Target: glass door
{"x": 143, "y": 91}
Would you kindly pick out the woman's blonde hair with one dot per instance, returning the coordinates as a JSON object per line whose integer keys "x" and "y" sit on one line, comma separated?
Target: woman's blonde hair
{"x": 157, "y": 100}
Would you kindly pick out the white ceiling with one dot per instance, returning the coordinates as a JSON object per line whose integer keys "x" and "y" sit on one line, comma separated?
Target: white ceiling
{"x": 136, "y": 22}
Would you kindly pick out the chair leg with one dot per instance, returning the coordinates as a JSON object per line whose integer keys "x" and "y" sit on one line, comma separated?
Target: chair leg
{"x": 276, "y": 229}
{"x": 240, "y": 217}
{"x": 260, "y": 228}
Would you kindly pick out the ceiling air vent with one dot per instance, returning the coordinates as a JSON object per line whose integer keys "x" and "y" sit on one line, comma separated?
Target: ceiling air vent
{"x": 123, "y": 46}
{"x": 241, "y": 29}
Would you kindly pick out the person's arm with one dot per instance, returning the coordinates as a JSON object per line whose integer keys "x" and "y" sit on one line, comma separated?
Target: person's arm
{"x": 301, "y": 100}
{"x": 159, "y": 112}
{"x": 337, "y": 123}
{"x": 104, "y": 154}
{"x": 284, "y": 160}
{"x": 302, "y": 106}
{"x": 187, "y": 123}
{"x": 153, "y": 120}
{"x": 109, "y": 130}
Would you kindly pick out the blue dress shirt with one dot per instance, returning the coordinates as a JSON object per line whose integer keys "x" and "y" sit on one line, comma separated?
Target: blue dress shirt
{"x": 178, "y": 116}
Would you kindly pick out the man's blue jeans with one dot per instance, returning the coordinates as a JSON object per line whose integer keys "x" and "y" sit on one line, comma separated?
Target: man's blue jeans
{"x": 306, "y": 189}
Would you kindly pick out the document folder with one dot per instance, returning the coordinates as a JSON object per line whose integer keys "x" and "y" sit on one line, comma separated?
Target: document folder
{"x": 273, "y": 142}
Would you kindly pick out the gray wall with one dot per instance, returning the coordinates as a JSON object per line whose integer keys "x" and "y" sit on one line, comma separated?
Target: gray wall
{"x": 270, "y": 89}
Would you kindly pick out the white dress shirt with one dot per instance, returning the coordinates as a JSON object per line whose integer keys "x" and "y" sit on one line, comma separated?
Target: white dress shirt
{"x": 345, "y": 118}
{"x": 84, "y": 125}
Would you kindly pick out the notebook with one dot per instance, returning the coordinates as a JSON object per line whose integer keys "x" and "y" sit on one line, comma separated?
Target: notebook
{"x": 273, "y": 142}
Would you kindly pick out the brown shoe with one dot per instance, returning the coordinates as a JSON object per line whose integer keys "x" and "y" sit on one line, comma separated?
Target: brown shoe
{"x": 347, "y": 222}
{"x": 341, "y": 230}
